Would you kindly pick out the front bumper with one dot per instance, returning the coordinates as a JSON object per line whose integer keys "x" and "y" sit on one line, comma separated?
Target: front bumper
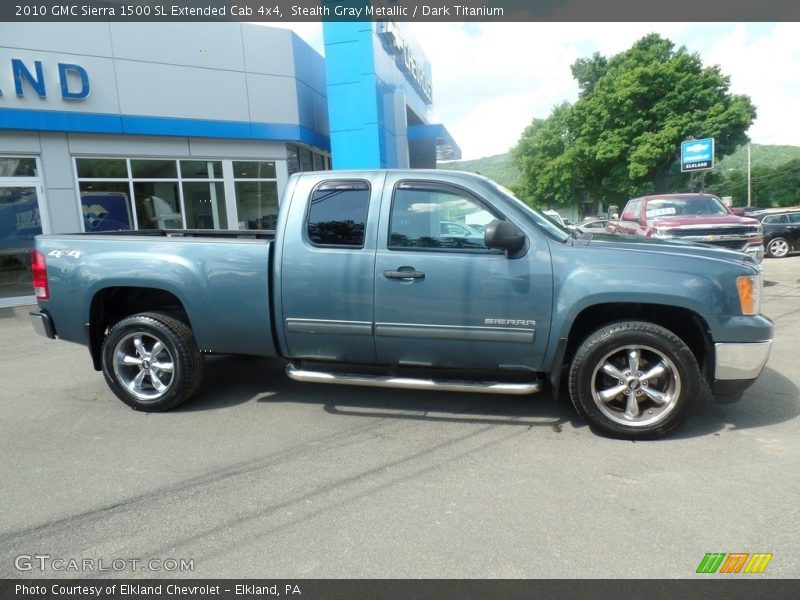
{"x": 738, "y": 365}
{"x": 43, "y": 324}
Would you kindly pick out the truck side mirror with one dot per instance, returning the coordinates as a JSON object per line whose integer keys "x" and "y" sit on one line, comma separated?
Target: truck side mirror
{"x": 503, "y": 235}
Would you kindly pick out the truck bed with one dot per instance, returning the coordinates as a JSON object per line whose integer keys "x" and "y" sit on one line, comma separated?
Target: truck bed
{"x": 221, "y": 279}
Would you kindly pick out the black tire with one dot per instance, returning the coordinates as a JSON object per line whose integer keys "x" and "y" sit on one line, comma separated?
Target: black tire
{"x": 147, "y": 380}
{"x": 778, "y": 247}
{"x": 601, "y": 381}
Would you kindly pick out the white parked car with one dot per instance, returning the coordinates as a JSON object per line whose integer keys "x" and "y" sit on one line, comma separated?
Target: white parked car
{"x": 595, "y": 226}
{"x": 555, "y": 216}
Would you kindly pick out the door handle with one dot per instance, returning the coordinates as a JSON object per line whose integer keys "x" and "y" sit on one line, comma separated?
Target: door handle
{"x": 404, "y": 273}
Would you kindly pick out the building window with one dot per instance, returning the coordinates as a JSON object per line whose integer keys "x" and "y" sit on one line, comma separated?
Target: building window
{"x": 20, "y": 221}
{"x": 256, "y": 187}
{"x": 13, "y": 166}
{"x": 299, "y": 159}
{"x": 158, "y": 205}
{"x": 104, "y": 189}
{"x": 292, "y": 159}
{"x": 203, "y": 194}
{"x": 154, "y": 169}
{"x": 105, "y": 206}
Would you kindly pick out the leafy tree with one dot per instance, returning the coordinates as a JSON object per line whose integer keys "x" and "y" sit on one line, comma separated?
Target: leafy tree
{"x": 547, "y": 148}
{"x": 587, "y": 71}
{"x": 621, "y": 138}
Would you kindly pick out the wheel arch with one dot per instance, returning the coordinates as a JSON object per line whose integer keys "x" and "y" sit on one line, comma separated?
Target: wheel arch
{"x": 112, "y": 304}
{"x": 683, "y": 322}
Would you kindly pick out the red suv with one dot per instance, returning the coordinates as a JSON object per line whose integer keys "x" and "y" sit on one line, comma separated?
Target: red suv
{"x": 691, "y": 217}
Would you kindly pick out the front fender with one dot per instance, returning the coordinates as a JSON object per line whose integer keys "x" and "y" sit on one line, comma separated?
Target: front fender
{"x": 587, "y": 287}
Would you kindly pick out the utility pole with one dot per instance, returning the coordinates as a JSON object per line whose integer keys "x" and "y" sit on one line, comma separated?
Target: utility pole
{"x": 748, "y": 175}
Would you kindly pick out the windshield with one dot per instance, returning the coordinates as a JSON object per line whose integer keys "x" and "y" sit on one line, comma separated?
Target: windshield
{"x": 552, "y": 228}
{"x": 703, "y": 205}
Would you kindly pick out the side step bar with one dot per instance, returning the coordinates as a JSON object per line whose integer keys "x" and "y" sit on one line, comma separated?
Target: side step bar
{"x": 484, "y": 387}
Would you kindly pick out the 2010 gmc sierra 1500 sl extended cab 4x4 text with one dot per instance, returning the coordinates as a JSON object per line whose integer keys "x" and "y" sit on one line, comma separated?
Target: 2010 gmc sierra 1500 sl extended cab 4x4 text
{"x": 358, "y": 284}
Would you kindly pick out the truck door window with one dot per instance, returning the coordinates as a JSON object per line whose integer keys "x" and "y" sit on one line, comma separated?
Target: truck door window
{"x": 435, "y": 216}
{"x": 337, "y": 214}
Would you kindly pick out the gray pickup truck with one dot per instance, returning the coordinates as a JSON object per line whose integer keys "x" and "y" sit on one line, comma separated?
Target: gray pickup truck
{"x": 361, "y": 284}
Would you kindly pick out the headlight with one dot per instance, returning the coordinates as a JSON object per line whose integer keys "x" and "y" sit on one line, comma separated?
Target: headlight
{"x": 749, "y": 294}
{"x": 662, "y": 233}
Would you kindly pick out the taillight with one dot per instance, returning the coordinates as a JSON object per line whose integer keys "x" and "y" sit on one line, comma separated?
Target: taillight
{"x": 39, "y": 270}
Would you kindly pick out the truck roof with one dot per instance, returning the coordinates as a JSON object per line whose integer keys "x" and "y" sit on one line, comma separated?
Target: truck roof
{"x": 415, "y": 173}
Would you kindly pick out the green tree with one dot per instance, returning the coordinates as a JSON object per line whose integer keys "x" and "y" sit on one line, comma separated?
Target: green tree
{"x": 547, "y": 148}
{"x": 621, "y": 138}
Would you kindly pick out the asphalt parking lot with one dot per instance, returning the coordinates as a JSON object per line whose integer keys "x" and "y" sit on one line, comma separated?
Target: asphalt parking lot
{"x": 259, "y": 476}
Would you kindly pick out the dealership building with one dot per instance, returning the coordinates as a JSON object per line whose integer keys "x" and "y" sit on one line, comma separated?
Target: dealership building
{"x": 107, "y": 126}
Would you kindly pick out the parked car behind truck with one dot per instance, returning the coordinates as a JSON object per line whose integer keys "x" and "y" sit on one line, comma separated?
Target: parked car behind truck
{"x": 781, "y": 231}
{"x": 359, "y": 285}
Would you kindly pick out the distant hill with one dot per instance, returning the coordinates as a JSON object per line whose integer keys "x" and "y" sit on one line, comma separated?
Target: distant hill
{"x": 500, "y": 168}
{"x": 761, "y": 155}
{"x": 497, "y": 167}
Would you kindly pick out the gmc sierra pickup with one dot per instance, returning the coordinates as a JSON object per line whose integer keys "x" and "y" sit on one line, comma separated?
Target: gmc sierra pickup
{"x": 360, "y": 284}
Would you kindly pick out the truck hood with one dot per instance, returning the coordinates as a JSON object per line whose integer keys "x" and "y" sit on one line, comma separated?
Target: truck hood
{"x": 674, "y": 221}
{"x": 667, "y": 247}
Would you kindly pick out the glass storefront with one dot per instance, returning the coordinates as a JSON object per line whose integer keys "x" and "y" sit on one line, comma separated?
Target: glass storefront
{"x": 20, "y": 221}
{"x": 151, "y": 193}
{"x": 165, "y": 193}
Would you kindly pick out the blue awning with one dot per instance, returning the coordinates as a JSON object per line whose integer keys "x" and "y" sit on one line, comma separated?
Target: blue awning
{"x": 446, "y": 147}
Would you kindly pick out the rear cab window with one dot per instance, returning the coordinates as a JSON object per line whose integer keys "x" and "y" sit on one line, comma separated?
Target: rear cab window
{"x": 337, "y": 214}
{"x": 633, "y": 211}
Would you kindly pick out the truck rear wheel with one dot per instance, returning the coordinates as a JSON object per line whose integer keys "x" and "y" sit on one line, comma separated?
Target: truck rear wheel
{"x": 151, "y": 362}
{"x": 634, "y": 380}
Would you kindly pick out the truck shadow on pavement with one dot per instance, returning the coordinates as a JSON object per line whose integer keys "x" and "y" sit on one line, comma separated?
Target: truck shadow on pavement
{"x": 232, "y": 380}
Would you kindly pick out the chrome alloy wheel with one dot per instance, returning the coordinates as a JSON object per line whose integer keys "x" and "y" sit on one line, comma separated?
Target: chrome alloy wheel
{"x": 778, "y": 248}
{"x": 636, "y": 386}
{"x": 144, "y": 365}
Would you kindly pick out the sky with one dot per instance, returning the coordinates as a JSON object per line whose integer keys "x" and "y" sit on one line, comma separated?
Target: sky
{"x": 491, "y": 79}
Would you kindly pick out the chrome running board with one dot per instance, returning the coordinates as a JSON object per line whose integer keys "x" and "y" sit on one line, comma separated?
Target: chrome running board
{"x": 483, "y": 387}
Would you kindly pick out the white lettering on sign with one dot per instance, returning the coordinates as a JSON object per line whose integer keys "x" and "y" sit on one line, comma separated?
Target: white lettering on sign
{"x": 29, "y": 219}
{"x": 408, "y": 62}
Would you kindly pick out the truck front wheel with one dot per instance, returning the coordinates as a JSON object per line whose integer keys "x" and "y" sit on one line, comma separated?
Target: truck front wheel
{"x": 634, "y": 380}
{"x": 151, "y": 362}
